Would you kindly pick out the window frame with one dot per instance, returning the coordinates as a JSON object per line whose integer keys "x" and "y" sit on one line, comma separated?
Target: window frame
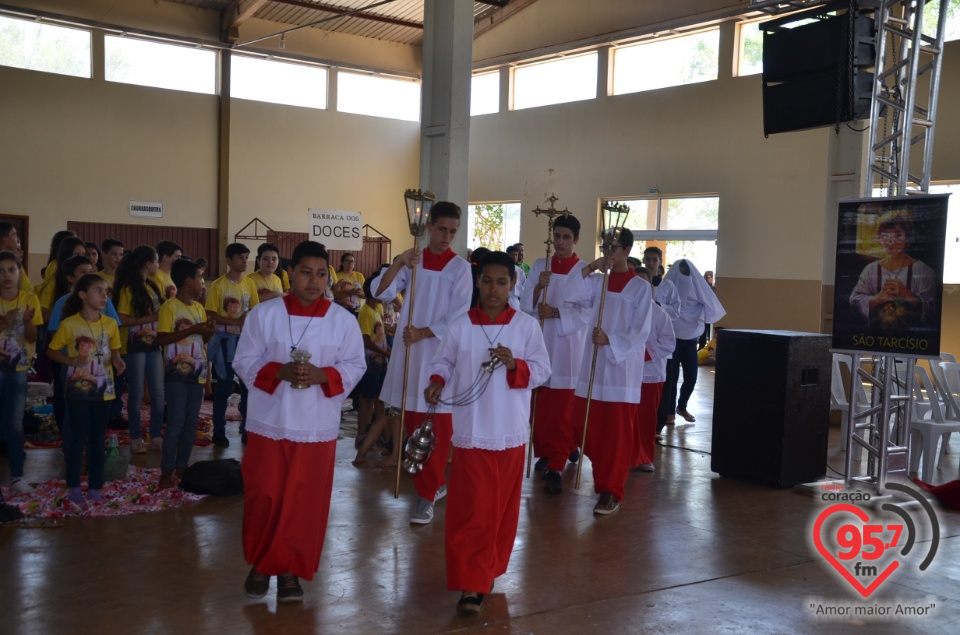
{"x": 519, "y": 68}
{"x": 713, "y": 28}
{"x": 216, "y": 89}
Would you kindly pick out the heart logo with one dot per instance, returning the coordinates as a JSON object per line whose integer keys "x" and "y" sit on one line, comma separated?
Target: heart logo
{"x": 853, "y": 536}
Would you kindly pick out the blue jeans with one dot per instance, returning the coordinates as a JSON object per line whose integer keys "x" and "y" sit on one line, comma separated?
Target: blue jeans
{"x": 140, "y": 365}
{"x": 684, "y": 355}
{"x": 86, "y": 424}
{"x": 116, "y": 406}
{"x": 223, "y": 372}
{"x": 13, "y": 401}
{"x": 183, "y": 409}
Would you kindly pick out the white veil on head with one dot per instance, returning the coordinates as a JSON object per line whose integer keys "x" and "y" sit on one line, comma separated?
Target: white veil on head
{"x": 693, "y": 288}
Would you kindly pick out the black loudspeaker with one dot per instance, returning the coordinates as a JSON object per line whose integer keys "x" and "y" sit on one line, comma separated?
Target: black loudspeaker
{"x": 771, "y": 406}
{"x": 817, "y": 74}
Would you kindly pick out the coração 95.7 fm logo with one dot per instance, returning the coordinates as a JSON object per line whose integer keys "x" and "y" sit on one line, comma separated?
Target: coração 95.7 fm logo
{"x": 864, "y": 545}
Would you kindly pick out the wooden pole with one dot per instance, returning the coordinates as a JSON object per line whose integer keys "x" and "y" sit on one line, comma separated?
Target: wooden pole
{"x": 593, "y": 370}
{"x": 399, "y": 442}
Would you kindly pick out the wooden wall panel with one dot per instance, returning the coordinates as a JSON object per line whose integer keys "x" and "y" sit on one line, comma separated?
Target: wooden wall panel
{"x": 376, "y": 250}
{"x": 196, "y": 242}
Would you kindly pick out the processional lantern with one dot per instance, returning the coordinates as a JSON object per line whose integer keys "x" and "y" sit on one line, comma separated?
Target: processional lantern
{"x": 418, "y": 204}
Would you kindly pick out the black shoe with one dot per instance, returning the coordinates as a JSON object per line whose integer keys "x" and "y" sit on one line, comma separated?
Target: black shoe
{"x": 257, "y": 584}
{"x": 9, "y": 514}
{"x": 553, "y": 483}
{"x": 574, "y": 456}
{"x": 288, "y": 588}
{"x": 470, "y": 603}
{"x": 541, "y": 464}
{"x": 221, "y": 441}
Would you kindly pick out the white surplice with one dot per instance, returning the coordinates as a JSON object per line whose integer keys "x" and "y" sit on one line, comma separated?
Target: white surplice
{"x": 303, "y": 415}
{"x": 626, "y": 321}
{"x": 441, "y": 297}
{"x": 666, "y": 295}
{"x": 660, "y": 345}
{"x": 699, "y": 302}
{"x": 500, "y": 418}
{"x": 564, "y": 336}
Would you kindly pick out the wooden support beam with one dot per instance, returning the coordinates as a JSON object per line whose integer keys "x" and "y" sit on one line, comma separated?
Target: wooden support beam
{"x": 238, "y": 12}
{"x": 326, "y": 8}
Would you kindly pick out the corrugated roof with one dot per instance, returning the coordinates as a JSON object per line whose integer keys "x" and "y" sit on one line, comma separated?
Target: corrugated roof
{"x": 388, "y": 23}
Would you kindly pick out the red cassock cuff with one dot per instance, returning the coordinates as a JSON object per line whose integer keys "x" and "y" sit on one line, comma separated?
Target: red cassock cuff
{"x": 267, "y": 379}
{"x": 519, "y": 377}
{"x": 438, "y": 379}
{"x": 334, "y": 385}
{"x": 646, "y": 356}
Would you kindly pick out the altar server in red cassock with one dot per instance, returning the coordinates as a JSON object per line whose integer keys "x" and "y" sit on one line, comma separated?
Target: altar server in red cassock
{"x": 292, "y": 432}
{"x": 490, "y": 428}
{"x": 564, "y": 331}
{"x": 443, "y": 292}
{"x": 660, "y": 345}
{"x": 620, "y": 360}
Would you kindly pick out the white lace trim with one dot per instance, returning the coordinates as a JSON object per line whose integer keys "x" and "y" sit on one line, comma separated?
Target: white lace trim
{"x": 499, "y": 443}
{"x": 280, "y": 433}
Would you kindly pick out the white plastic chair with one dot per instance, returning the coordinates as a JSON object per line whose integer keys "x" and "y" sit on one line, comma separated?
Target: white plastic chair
{"x": 925, "y": 434}
{"x": 840, "y": 402}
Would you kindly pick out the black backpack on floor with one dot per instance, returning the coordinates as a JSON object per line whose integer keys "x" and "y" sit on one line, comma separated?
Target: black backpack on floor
{"x": 220, "y": 477}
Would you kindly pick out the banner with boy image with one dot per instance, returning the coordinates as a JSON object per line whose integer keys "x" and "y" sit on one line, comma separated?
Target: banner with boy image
{"x": 889, "y": 275}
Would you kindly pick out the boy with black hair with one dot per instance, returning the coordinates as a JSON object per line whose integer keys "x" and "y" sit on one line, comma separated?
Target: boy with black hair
{"x": 486, "y": 474}
{"x": 564, "y": 331}
{"x": 444, "y": 289}
{"x": 168, "y": 252}
{"x": 112, "y": 250}
{"x": 294, "y": 421}
{"x": 615, "y": 395}
{"x": 521, "y": 278}
{"x": 230, "y": 298}
{"x": 183, "y": 331}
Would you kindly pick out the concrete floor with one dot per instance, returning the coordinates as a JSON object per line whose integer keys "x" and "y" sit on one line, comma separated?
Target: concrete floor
{"x": 688, "y": 552}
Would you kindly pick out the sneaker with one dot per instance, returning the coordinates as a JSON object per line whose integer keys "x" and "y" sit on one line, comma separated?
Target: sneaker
{"x": 607, "y": 504}
{"x": 156, "y": 444}
{"x": 440, "y": 493}
{"x": 422, "y": 513}
{"x": 574, "y": 456}
{"x": 288, "y": 588}
{"x": 646, "y": 467}
{"x": 138, "y": 446}
{"x": 541, "y": 464}
{"x": 9, "y": 514}
{"x": 256, "y": 584}
{"x": 94, "y": 496}
{"x": 470, "y": 603}
{"x": 76, "y": 496}
{"x": 553, "y": 484}
{"x": 21, "y": 486}
{"x": 221, "y": 441}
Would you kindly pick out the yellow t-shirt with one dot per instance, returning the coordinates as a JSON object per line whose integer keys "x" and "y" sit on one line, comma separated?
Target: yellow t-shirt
{"x": 369, "y": 320}
{"x": 284, "y": 280}
{"x": 185, "y": 360}
{"x": 25, "y": 285}
{"x": 140, "y": 338}
{"x": 273, "y": 283}
{"x": 163, "y": 280}
{"x": 15, "y": 351}
{"x": 231, "y": 299}
{"x": 44, "y": 290}
{"x": 111, "y": 280}
{"x": 356, "y": 278}
{"x": 92, "y": 380}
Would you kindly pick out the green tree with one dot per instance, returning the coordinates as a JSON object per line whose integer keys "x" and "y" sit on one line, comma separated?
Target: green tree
{"x": 488, "y": 225}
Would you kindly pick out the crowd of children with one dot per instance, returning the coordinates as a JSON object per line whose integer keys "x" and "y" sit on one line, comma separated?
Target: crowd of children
{"x": 524, "y": 341}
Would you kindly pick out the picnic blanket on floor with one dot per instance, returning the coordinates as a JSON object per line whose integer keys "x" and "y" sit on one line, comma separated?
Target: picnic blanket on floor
{"x": 135, "y": 494}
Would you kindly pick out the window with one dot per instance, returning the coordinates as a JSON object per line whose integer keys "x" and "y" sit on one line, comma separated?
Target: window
{"x": 952, "y": 26}
{"x": 750, "y": 53}
{"x": 951, "y": 258}
{"x": 485, "y": 94}
{"x": 44, "y": 47}
{"x": 378, "y": 96}
{"x": 682, "y": 226}
{"x": 278, "y": 82}
{"x": 557, "y": 82}
{"x": 493, "y": 225}
{"x": 172, "y": 66}
{"x": 681, "y": 60}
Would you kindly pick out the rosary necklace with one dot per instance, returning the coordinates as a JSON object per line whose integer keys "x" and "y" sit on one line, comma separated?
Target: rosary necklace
{"x": 97, "y": 341}
{"x": 296, "y": 345}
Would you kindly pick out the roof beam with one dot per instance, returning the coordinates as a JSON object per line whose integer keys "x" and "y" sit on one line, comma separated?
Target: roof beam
{"x": 495, "y": 17}
{"x": 236, "y": 13}
{"x": 326, "y": 8}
